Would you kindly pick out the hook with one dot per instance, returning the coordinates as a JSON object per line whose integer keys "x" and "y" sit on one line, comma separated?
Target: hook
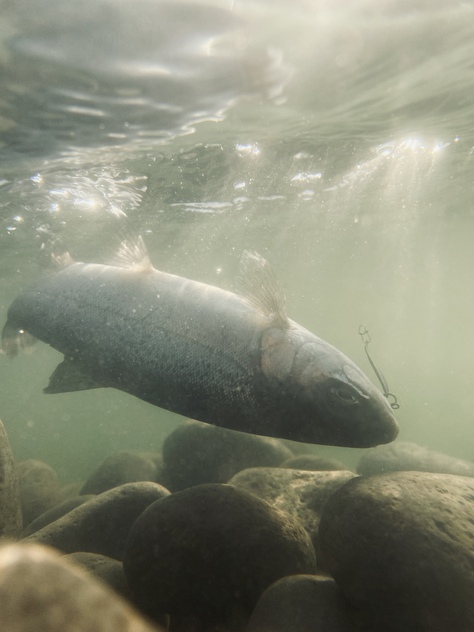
{"x": 366, "y": 339}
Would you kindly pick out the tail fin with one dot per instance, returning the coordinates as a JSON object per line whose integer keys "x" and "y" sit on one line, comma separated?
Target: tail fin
{"x": 15, "y": 339}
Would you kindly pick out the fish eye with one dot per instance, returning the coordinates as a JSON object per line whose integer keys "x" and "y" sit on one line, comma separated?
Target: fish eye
{"x": 344, "y": 394}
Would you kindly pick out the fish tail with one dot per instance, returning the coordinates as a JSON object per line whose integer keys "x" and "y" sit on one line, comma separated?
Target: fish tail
{"x": 15, "y": 339}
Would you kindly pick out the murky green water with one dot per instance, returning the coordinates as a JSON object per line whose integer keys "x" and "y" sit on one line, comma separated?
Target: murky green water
{"x": 335, "y": 138}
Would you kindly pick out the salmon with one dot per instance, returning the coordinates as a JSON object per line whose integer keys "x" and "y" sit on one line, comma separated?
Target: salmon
{"x": 234, "y": 360}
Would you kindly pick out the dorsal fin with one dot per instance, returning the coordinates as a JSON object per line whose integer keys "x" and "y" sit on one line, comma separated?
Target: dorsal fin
{"x": 258, "y": 284}
{"x": 61, "y": 260}
{"x": 132, "y": 253}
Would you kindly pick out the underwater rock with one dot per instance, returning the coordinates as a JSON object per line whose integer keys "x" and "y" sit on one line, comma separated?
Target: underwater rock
{"x": 110, "y": 571}
{"x": 101, "y": 525}
{"x": 10, "y": 504}
{"x": 107, "y": 569}
{"x": 72, "y": 490}
{"x": 58, "y": 511}
{"x": 301, "y": 493}
{"x": 313, "y": 463}
{"x": 406, "y": 456}
{"x": 301, "y": 603}
{"x": 120, "y": 468}
{"x": 197, "y": 453}
{"x": 41, "y": 591}
{"x": 207, "y": 553}
{"x": 401, "y": 548}
{"x": 39, "y": 488}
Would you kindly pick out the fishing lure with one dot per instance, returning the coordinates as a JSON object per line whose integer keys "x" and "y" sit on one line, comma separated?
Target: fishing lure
{"x": 392, "y": 399}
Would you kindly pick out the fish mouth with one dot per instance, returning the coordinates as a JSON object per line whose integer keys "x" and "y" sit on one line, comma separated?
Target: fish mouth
{"x": 387, "y": 433}
{"x": 382, "y": 427}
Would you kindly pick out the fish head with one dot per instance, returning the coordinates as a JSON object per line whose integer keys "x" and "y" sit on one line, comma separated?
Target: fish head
{"x": 345, "y": 407}
{"x": 332, "y": 402}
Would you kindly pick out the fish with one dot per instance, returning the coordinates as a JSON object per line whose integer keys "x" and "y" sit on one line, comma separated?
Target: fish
{"x": 232, "y": 359}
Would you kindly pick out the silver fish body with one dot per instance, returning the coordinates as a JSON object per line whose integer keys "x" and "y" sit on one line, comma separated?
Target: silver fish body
{"x": 230, "y": 360}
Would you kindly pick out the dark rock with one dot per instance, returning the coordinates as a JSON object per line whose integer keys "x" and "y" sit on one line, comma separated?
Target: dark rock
{"x": 301, "y": 493}
{"x": 296, "y": 447}
{"x": 401, "y": 548}
{"x": 10, "y": 505}
{"x": 207, "y": 553}
{"x": 301, "y": 603}
{"x": 313, "y": 463}
{"x": 406, "y": 456}
{"x": 39, "y": 488}
{"x": 120, "y": 468}
{"x": 107, "y": 569}
{"x": 58, "y": 511}
{"x": 71, "y": 490}
{"x": 198, "y": 453}
{"x": 41, "y": 592}
{"x": 100, "y": 525}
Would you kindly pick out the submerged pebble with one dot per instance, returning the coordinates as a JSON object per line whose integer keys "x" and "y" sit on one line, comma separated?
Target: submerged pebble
{"x": 241, "y": 556}
{"x": 123, "y": 467}
{"x": 301, "y": 603}
{"x": 401, "y": 548}
{"x": 313, "y": 463}
{"x": 53, "y": 514}
{"x": 198, "y": 453}
{"x": 10, "y": 504}
{"x": 301, "y": 493}
{"x": 206, "y": 554}
{"x": 102, "y": 524}
{"x": 406, "y": 456}
{"x": 40, "y": 488}
{"x": 107, "y": 569}
{"x": 42, "y": 592}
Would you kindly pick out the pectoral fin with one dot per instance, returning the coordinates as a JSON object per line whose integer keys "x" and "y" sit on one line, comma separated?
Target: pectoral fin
{"x": 68, "y": 377}
{"x": 258, "y": 284}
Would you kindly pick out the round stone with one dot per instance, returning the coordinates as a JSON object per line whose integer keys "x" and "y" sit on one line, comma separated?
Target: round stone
{"x": 301, "y": 603}
{"x": 198, "y": 453}
{"x": 401, "y": 548}
{"x": 210, "y": 551}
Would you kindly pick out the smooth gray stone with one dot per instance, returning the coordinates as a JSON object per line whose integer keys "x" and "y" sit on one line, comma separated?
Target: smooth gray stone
{"x": 401, "y": 548}
{"x": 72, "y": 489}
{"x": 313, "y": 463}
{"x": 58, "y": 511}
{"x": 42, "y": 592}
{"x": 40, "y": 489}
{"x": 406, "y": 456}
{"x": 198, "y": 453}
{"x": 301, "y": 603}
{"x": 301, "y": 493}
{"x": 121, "y": 468}
{"x": 100, "y": 525}
{"x": 10, "y": 505}
{"x": 207, "y": 554}
{"x": 107, "y": 569}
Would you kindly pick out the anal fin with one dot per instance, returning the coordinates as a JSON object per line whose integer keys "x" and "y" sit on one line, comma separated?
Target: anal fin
{"x": 67, "y": 377}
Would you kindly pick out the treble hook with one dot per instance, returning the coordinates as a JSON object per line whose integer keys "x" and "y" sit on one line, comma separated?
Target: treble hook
{"x": 392, "y": 400}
